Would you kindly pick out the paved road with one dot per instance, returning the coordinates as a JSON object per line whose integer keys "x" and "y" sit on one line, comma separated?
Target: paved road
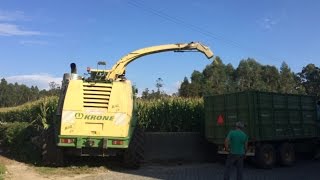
{"x": 303, "y": 170}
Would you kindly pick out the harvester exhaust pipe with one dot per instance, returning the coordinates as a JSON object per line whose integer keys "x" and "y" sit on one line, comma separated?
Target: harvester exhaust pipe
{"x": 73, "y": 67}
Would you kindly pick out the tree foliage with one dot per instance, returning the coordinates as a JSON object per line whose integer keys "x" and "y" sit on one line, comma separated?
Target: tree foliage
{"x": 14, "y": 94}
{"x": 215, "y": 78}
{"x": 218, "y": 78}
{"x": 249, "y": 75}
{"x": 147, "y": 94}
{"x": 310, "y": 79}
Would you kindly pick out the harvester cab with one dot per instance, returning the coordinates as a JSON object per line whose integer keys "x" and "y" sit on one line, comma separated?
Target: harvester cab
{"x": 99, "y": 74}
{"x": 97, "y": 115}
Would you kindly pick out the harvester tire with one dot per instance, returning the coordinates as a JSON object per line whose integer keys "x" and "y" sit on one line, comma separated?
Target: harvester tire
{"x": 134, "y": 155}
{"x": 51, "y": 154}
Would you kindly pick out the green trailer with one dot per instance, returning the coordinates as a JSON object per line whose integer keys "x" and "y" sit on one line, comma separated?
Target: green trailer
{"x": 278, "y": 125}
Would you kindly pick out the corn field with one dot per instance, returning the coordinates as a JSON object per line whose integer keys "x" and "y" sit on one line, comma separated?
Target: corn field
{"x": 23, "y": 126}
{"x": 171, "y": 114}
{"x": 38, "y": 111}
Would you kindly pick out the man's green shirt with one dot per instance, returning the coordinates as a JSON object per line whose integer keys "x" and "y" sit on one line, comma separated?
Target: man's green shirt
{"x": 237, "y": 140}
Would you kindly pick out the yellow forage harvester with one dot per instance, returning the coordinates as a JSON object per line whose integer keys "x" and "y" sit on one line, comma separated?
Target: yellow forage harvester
{"x": 96, "y": 116}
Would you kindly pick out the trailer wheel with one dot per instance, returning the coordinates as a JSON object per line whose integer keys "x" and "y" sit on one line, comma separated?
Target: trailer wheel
{"x": 134, "y": 155}
{"x": 286, "y": 154}
{"x": 316, "y": 152}
{"x": 266, "y": 156}
{"x": 51, "y": 154}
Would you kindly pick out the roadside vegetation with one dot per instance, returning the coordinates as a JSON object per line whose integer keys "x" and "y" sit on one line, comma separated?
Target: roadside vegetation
{"x": 69, "y": 171}
{"x": 21, "y": 127}
{"x": 2, "y": 171}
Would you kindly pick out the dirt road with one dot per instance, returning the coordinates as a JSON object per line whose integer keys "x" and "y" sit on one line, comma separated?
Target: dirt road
{"x": 304, "y": 169}
{"x": 18, "y": 171}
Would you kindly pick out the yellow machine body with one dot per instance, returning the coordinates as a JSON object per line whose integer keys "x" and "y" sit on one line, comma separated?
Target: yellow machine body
{"x": 97, "y": 109}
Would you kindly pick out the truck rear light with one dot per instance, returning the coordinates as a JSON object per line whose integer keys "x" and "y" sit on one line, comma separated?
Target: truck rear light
{"x": 117, "y": 142}
{"x": 66, "y": 140}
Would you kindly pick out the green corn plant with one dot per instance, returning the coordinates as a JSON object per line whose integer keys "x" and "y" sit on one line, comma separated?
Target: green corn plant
{"x": 42, "y": 115}
{"x": 171, "y": 114}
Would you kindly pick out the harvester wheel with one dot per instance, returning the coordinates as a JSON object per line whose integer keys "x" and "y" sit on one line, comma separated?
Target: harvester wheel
{"x": 286, "y": 154}
{"x": 135, "y": 153}
{"x": 266, "y": 156}
{"x": 51, "y": 154}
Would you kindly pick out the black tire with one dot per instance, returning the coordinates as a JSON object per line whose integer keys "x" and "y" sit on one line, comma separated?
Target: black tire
{"x": 52, "y": 155}
{"x": 134, "y": 155}
{"x": 316, "y": 152}
{"x": 286, "y": 154}
{"x": 266, "y": 156}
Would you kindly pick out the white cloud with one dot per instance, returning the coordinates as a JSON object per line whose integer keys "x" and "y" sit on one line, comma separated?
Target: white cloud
{"x": 273, "y": 19}
{"x": 12, "y": 15}
{"x": 33, "y": 42}
{"x": 268, "y": 23}
{"x": 40, "y": 80}
{"x": 13, "y": 30}
{"x": 8, "y": 28}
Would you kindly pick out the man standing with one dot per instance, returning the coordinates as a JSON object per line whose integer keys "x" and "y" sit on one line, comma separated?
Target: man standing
{"x": 238, "y": 142}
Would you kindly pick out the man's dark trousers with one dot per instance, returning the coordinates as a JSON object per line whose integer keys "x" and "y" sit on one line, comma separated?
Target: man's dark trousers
{"x": 238, "y": 161}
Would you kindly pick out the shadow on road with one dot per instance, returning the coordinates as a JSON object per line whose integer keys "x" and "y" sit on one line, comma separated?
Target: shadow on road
{"x": 305, "y": 169}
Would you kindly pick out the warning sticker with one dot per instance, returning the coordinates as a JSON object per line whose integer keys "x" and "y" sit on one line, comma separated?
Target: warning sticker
{"x": 220, "y": 120}
{"x": 120, "y": 119}
{"x": 68, "y": 117}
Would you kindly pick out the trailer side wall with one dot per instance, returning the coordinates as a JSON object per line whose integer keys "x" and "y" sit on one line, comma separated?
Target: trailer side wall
{"x": 267, "y": 116}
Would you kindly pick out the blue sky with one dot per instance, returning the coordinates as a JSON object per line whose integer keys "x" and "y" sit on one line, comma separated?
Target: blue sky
{"x": 39, "y": 39}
